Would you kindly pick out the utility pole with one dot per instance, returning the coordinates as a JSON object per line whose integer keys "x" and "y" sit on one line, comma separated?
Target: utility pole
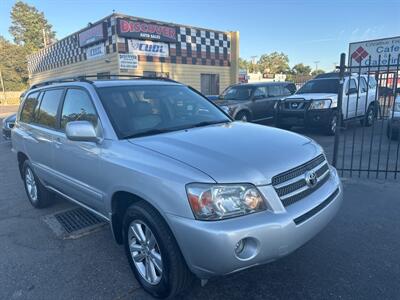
{"x": 2, "y": 86}
{"x": 316, "y": 64}
{"x": 44, "y": 38}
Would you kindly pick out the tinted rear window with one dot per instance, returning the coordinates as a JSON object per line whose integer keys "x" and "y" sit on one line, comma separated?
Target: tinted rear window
{"x": 48, "y": 108}
{"x": 30, "y": 105}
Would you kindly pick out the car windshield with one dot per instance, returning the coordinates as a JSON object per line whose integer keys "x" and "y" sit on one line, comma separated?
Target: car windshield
{"x": 320, "y": 86}
{"x": 237, "y": 93}
{"x": 151, "y": 109}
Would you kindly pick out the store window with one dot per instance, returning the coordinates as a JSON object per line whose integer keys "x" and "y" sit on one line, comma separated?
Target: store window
{"x": 210, "y": 84}
{"x": 103, "y": 75}
{"x": 156, "y": 74}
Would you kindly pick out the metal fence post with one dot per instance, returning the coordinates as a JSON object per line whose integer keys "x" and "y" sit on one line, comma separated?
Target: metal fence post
{"x": 342, "y": 68}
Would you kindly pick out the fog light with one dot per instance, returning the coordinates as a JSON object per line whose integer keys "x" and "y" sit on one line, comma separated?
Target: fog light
{"x": 239, "y": 247}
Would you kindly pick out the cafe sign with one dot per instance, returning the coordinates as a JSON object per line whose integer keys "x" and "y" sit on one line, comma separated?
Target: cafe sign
{"x": 146, "y": 30}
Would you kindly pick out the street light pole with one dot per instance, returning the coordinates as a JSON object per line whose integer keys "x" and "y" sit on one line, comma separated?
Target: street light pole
{"x": 316, "y": 64}
{"x": 2, "y": 86}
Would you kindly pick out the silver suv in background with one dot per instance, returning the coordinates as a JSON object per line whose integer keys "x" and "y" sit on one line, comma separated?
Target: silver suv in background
{"x": 314, "y": 105}
{"x": 161, "y": 163}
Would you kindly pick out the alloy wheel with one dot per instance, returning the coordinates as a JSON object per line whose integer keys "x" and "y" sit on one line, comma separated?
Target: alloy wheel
{"x": 31, "y": 184}
{"x": 145, "y": 252}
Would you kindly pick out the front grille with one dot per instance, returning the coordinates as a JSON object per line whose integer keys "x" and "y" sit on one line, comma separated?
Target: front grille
{"x": 316, "y": 209}
{"x": 291, "y": 186}
{"x": 295, "y": 104}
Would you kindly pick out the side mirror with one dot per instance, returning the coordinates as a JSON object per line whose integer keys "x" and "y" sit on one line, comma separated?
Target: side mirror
{"x": 351, "y": 91}
{"x": 82, "y": 131}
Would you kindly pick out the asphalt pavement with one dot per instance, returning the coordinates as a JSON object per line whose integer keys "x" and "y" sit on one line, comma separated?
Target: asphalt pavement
{"x": 355, "y": 257}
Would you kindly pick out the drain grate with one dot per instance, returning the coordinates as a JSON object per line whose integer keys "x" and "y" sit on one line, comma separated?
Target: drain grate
{"x": 77, "y": 219}
{"x": 73, "y": 223}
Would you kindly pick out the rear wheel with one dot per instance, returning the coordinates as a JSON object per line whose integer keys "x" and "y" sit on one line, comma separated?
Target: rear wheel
{"x": 369, "y": 117}
{"x": 243, "y": 116}
{"x": 153, "y": 253}
{"x": 37, "y": 194}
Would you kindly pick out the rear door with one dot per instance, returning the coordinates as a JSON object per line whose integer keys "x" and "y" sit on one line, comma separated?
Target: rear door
{"x": 77, "y": 163}
{"x": 259, "y": 104}
{"x": 276, "y": 93}
{"x": 41, "y": 130}
{"x": 362, "y": 101}
{"x": 350, "y": 99}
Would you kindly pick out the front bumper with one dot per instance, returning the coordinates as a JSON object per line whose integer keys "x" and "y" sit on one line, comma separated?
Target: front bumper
{"x": 307, "y": 118}
{"x": 209, "y": 247}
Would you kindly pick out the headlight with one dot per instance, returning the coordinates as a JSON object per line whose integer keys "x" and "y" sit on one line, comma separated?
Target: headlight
{"x": 215, "y": 202}
{"x": 320, "y": 104}
{"x": 226, "y": 109}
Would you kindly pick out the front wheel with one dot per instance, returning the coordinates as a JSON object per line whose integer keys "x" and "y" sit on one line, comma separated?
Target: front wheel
{"x": 332, "y": 125}
{"x": 153, "y": 253}
{"x": 243, "y": 116}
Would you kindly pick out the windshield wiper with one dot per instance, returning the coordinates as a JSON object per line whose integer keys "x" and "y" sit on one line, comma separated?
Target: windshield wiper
{"x": 148, "y": 132}
{"x": 206, "y": 123}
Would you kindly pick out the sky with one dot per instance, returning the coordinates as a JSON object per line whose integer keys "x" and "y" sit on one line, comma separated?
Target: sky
{"x": 308, "y": 31}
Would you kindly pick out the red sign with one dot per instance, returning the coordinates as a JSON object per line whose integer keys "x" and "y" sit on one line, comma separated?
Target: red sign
{"x": 92, "y": 35}
{"x": 145, "y": 30}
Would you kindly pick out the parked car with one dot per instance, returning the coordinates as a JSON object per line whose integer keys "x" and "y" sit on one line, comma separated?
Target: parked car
{"x": 162, "y": 164}
{"x": 253, "y": 102}
{"x": 393, "y": 125}
{"x": 212, "y": 97}
{"x": 8, "y": 124}
{"x": 315, "y": 103}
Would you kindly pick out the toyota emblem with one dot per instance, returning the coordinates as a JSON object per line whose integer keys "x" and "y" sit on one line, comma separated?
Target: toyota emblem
{"x": 311, "y": 178}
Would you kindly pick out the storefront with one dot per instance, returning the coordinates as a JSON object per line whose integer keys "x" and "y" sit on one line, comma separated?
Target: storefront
{"x": 118, "y": 44}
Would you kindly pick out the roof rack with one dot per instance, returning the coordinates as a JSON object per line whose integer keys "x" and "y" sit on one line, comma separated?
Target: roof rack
{"x": 84, "y": 78}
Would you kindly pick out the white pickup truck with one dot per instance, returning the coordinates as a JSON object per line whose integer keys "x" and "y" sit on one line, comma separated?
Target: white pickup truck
{"x": 315, "y": 103}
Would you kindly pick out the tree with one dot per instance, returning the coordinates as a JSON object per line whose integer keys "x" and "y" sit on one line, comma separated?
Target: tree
{"x": 13, "y": 65}
{"x": 30, "y": 27}
{"x": 317, "y": 72}
{"x": 274, "y": 63}
{"x": 301, "y": 69}
{"x": 243, "y": 64}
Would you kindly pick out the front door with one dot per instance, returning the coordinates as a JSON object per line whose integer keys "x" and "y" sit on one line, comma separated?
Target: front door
{"x": 77, "y": 163}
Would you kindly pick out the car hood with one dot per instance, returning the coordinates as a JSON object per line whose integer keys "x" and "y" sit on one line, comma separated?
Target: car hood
{"x": 228, "y": 102}
{"x": 235, "y": 152}
{"x": 312, "y": 96}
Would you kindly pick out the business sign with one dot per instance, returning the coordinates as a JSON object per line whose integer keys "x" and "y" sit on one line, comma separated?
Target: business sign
{"x": 148, "y": 48}
{"x": 146, "y": 30}
{"x": 368, "y": 53}
{"x": 92, "y": 35}
{"x": 95, "y": 51}
{"x": 128, "y": 61}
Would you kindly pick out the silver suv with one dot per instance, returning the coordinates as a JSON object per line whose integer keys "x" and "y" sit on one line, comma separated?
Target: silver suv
{"x": 185, "y": 189}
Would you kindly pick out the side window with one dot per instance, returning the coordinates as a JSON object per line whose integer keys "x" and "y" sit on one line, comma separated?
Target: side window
{"x": 289, "y": 89}
{"x": 47, "y": 115}
{"x": 274, "y": 91}
{"x": 77, "y": 107}
{"x": 29, "y": 109}
{"x": 351, "y": 85}
{"x": 260, "y": 92}
{"x": 363, "y": 85}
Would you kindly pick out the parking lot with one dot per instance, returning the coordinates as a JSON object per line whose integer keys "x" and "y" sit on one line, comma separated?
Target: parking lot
{"x": 356, "y": 256}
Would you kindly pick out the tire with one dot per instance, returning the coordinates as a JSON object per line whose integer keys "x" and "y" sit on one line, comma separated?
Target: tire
{"x": 369, "y": 117}
{"x": 37, "y": 194}
{"x": 243, "y": 116}
{"x": 332, "y": 125}
{"x": 175, "y": 276}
